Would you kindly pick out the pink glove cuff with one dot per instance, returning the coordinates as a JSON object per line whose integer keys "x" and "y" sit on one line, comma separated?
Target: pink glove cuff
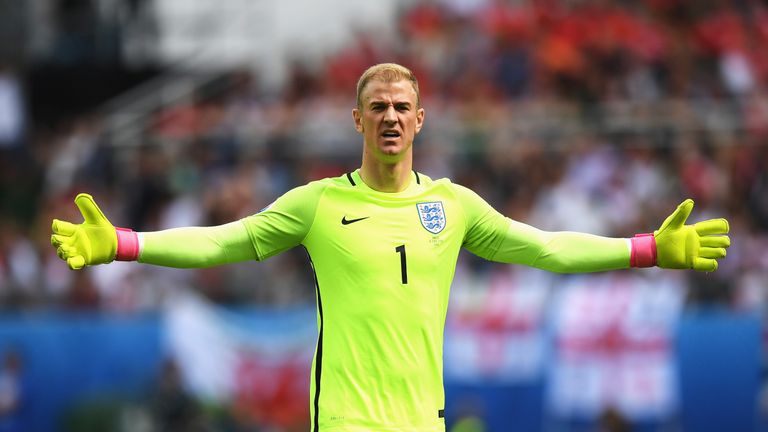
{"x": 127, "y": 245}
{"x": 643, "y": 251}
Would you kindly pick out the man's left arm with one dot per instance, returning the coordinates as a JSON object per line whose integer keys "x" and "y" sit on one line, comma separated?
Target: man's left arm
{"x": 561, "y": 251}
{"x": 674, "y": 245}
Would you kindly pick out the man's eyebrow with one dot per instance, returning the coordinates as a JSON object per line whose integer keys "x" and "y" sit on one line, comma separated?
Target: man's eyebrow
{"x": 395, "y": 103}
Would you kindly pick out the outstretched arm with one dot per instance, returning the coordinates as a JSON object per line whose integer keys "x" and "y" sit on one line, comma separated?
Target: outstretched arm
{"x": 561, "y": 251}
{"x": 97, "y": 241}
{"x": 197, "y": 247}
{"x": 674, "y": 246}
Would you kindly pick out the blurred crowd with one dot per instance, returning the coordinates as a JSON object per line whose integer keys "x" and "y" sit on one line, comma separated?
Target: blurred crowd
{"x": 595, "y": 116}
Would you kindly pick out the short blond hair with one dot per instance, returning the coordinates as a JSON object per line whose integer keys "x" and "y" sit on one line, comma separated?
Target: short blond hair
{"x": 388, "y": 73}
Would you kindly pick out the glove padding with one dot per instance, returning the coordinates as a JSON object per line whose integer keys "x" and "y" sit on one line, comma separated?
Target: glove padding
{"x": 697, "y": 246}
{"x": 92, "y": 242}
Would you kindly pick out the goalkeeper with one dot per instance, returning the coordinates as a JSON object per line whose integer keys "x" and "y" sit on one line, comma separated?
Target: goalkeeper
{"x": 383, "y": 242}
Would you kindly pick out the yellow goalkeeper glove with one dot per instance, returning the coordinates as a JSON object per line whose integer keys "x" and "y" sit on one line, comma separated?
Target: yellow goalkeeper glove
{"x": 697, "y": 246}
{"x": 95, "y": 241}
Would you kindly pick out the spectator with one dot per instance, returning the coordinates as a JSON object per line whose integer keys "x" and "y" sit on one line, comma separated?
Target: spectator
{"x": 11, "y": 397}
{"x": 173, "y": 409}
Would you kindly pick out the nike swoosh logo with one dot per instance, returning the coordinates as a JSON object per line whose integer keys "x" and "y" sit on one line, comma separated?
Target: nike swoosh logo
{"x": 345, "y": 221}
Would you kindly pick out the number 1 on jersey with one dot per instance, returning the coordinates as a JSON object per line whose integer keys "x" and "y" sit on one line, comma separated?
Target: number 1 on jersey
{"x": 403, "y": 266}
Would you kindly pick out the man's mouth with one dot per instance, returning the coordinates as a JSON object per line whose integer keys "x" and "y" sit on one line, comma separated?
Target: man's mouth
{"x": 390, "y": 134}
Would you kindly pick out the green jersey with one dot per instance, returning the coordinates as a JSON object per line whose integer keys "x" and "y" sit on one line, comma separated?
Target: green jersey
{"x": 383, "y": 265}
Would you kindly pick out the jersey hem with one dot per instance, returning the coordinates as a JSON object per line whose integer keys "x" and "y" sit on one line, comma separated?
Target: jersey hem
{"x": 348, "y": 428}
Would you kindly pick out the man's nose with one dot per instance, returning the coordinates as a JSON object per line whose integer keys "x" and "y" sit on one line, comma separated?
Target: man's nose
{"x": 390, "y": 115}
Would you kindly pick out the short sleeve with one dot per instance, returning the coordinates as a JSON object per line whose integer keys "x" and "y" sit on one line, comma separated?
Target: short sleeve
{"x": 285, "y": 223}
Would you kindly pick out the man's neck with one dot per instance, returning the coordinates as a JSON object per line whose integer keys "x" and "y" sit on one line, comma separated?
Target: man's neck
{"x": 395, "y": 177}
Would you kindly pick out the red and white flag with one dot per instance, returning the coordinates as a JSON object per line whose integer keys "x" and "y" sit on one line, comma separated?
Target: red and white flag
{"x": 257, "y": 362}
{"x": 614, "y": 346}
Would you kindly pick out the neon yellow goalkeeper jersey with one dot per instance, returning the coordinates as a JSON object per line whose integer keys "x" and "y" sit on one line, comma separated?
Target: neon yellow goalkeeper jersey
{"x": 383, "y": 265}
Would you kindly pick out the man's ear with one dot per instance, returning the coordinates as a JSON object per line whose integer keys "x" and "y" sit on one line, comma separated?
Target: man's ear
{"x": 419, "y": 119}
{"x": 357, "y": 116}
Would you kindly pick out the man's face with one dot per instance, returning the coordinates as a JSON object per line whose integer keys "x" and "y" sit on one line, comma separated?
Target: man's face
{"x": 388, "y": 119}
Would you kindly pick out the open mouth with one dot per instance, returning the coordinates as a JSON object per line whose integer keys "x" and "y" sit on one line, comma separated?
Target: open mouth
{"x": 391, "y": 134}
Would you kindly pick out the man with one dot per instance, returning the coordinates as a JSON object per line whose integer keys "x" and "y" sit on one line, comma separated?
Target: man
{"x": 383, "y": 241}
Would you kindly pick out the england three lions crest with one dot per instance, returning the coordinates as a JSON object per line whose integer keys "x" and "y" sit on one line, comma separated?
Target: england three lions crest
{"x": 432, "y": 216}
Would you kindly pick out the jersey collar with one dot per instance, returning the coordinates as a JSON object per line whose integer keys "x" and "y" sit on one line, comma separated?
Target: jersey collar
{"x": 412, "y": 188}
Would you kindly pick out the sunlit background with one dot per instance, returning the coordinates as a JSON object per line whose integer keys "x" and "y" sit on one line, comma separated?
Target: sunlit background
{"x": 586, "y": 115}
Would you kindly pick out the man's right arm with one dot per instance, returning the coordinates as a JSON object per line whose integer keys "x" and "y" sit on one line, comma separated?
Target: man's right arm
{"x": 196, "y": 247}
{"x": 97, "y": 241}
{"x": 279, "y": 227}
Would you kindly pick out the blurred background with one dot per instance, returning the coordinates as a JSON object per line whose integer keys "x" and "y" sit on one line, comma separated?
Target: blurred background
{"x": 587, "y": 115}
